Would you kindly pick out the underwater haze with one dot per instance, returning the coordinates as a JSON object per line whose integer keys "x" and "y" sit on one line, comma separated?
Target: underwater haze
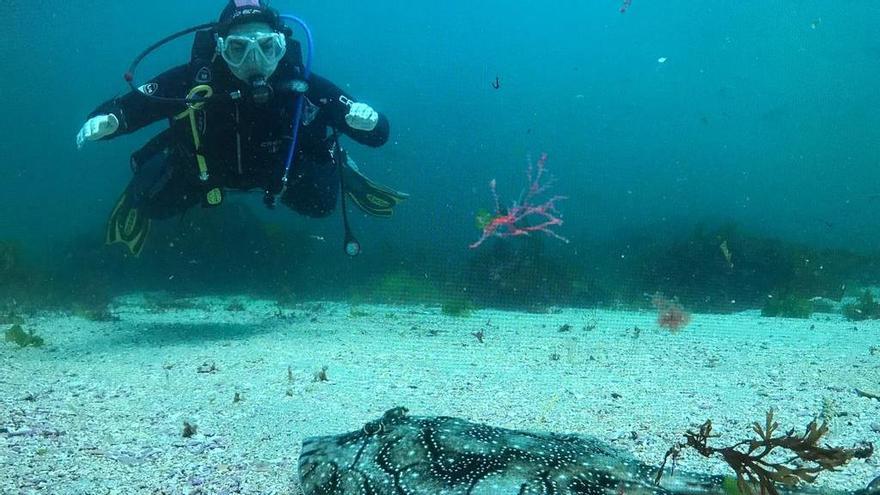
{"x": 683, "y": 259}
{"x": 761, "y": 114}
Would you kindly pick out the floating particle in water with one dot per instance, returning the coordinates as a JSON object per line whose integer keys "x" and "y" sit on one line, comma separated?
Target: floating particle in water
{"x": 662, "y": 60}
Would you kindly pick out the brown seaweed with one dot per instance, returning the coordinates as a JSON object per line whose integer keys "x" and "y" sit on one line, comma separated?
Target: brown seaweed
{"x": 750, "y": 459}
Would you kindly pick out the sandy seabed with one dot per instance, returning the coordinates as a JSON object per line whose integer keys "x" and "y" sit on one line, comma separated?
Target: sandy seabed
{"x": 101, "y": 407}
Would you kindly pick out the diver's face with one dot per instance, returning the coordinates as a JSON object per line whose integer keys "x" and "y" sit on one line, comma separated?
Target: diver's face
{"x": 252, "y": 50}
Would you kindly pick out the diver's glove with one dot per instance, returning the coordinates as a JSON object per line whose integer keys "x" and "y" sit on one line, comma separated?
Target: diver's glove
{"x": 96, "y": 128}
{"x": 362, "y": 117}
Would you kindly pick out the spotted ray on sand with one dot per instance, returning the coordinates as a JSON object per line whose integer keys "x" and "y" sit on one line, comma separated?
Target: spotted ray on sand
{"x": 406, "y": 455}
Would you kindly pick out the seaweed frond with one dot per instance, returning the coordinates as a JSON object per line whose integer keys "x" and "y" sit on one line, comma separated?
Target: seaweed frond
{"x": 19, "y": 336}
{"x": 750, "y": 460}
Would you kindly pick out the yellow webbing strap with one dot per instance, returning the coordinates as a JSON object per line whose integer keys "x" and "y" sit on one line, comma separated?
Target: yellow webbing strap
{"x": 203, "y": 91}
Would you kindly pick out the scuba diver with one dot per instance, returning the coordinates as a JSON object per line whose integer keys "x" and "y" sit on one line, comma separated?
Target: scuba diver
{"x": 245, "y": 113}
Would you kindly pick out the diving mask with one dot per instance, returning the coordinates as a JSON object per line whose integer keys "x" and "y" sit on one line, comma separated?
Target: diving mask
{"x": 252, "y": 54}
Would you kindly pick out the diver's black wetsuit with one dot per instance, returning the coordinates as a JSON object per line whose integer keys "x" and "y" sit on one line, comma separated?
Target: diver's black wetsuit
{"x": 245, "y": 144}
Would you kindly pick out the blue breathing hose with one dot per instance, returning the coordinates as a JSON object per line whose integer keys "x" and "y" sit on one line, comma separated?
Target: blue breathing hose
{"x": 300, "y": 99}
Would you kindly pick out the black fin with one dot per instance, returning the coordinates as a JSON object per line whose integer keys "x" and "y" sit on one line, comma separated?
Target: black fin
{"x": 374, "y": 199}
{"x": 128, "y": 226}
{"x": 874, "y": 486}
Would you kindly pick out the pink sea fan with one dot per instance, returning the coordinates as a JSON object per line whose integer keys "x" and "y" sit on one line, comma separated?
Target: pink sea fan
{"x": 518, "y": 219}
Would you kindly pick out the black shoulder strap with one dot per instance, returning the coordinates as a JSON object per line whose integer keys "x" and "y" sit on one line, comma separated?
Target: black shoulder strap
{"x": 202, "y": 57}
{"x": 204, "y": 45}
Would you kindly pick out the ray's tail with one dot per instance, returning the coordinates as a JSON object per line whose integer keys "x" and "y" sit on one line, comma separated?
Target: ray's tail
{"x": 689, "y": 483}
{"x": 872, "y": 489}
